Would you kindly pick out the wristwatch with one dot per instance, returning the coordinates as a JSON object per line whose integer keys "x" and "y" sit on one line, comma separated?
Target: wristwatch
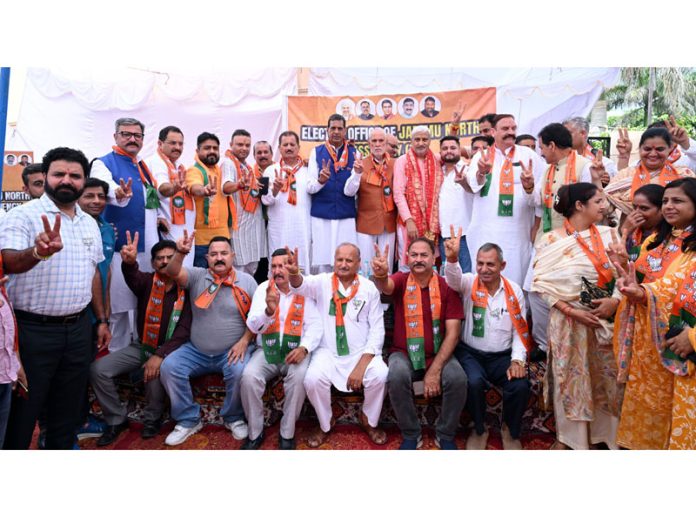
{"x": 103, "y": 320}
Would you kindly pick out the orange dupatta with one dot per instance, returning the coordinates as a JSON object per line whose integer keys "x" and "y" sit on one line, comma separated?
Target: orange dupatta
{"x": 597, "y": 253}
{"x": 378, "y": 178}
{"x": 241, "y": 297}
{"x": 570, "y": 177}
{"x": 182, "y": 200}
{"x": 641, "y": 176}
{"x": 413, "y": 316}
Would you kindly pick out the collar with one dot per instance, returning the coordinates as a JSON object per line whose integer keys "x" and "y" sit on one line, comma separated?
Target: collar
{"x": 50, "y": 207}
{"x": 209, "y": 275}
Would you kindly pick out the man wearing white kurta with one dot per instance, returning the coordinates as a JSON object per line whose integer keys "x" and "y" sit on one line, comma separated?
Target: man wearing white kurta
{"x": 456, "y": 199}
{"x": 333, "y": 184}
{"x": 131, "y": 207}
{"x": 249, "y": 238}
{"x": 288, "y": 201}
{"x": 510, "y": 232}
{"x": 278, "y": 352}
{"x": 350, "y": 355}
{"x": 170, "y": 178}
{"x": 579, "y": 129}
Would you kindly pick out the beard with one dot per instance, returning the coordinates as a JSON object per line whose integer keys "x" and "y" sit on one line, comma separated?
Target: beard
{"x": 63, "y": 194}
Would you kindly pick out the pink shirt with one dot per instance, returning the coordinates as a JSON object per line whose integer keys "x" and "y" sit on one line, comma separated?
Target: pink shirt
{"x": 8, "y": 360}
{"x": 400, "y": 183}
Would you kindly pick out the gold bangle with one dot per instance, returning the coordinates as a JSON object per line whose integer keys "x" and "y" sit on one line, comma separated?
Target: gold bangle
{"x": 386, "y": 275}
{"x": 36, "y": 255}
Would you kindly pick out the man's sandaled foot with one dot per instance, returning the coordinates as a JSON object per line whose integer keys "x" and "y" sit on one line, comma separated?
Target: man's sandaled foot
{"x": 377, "y": 435}
{"x": 559, "y": 446}
{"x": 316, "y": 438}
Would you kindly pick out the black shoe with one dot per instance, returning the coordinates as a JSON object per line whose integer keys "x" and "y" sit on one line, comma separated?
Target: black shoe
{"x": 252, "y": 445}
{"x": 286, "y": 444}
{"x": 537, "y": 355}
{"x": 111, "y": 433}
{"x": 150, "y": 429}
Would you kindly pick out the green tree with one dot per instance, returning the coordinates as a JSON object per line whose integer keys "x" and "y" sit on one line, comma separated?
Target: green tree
{"x": 673, "y": 91}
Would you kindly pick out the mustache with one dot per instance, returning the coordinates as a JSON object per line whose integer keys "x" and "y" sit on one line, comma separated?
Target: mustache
{"x": 418, "y": 264}
{"x": 219, "y": 263}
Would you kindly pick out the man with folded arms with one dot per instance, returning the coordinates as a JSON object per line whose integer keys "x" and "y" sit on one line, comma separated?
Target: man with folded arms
{"x": 288, "y": 329}
{"x": 164, "y": 323}
{"x": 427, "y": 322}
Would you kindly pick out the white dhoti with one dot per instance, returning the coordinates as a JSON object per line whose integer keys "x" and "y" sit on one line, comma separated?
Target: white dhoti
{"x": 366, "y": 243}
{"x": 327, "y": 234}
{"x": 325, "y": 369}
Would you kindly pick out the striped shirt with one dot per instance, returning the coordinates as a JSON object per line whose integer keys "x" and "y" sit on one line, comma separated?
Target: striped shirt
{"x": 61, "y": 285}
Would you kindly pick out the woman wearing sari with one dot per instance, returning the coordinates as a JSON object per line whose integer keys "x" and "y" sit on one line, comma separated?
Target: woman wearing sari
{"x": 573, "y": 274}
{"x": 658, "y": 382}
{"x": 654, "y": 167}
{"x": 645, "y": 220}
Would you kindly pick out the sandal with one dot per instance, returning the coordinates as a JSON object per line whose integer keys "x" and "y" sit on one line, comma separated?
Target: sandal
{"x": 377, "y": 435}
{"x": 317, "y": 438}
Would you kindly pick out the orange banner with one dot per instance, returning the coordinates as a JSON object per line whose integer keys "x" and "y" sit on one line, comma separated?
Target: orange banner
{"x": 12, "y": 186}
{"x": 398, "y": 114}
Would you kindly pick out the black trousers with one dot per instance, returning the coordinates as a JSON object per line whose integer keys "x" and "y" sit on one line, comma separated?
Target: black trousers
{"x": 56, "y": 359}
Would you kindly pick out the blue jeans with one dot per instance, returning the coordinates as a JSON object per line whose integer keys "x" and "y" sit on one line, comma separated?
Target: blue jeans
{"x": 199, "y": 254}
{"x": 5, "y": 398}
{"x": 186, "y": 362}
{"x": 464, "y": 258}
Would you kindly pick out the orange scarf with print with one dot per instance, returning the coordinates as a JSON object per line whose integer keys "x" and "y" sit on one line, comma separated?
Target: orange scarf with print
{"x": 290, "y": 184}
{"x": 249, "y": 198}
{"x": 653, "y": 264}
{"x": 241, "y": 297}
{"x": 641, "y": 176}
{"x": 379, "y": 177}
{"x": 413, "y": 316}
{"x": 570, "y": 177}
{"x": 276, "y": 348}
{"x": 336, "y": 307}
{"x": 154, "y": 311}
{"x": 342, "y": 162}
{"x": 182, "y": 200}
{"x": 595, "y": 251}
{"x": 423, "y": 194}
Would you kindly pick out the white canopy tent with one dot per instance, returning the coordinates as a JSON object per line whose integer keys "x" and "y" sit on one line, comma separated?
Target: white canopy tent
{"x": 77, "y": 108}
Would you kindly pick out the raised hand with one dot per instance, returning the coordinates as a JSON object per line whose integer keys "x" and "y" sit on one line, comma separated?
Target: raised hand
{"x": 634, "y": 220}
{"x": 325, "y": 172}
{"x": 485, "y": 164}
{"x": 623, "y": 144}
{"x": 527, "y": 176}
{"x": 679, "y": 134}
{"x": 278, "y": 183}
{"x": 129, "y": 251}
{"x": 599, "y": 173}
{"x": 292, "y": 266}
{"x": 185, "y": 243}
{"x": 272, "y": 299}
{"x": 616, "y": 251}
{"x": 380, "y": 262}
{"x": 358, "y": 165}
{"x": 452, "y": 245}
{"x": 177, "y": 185}
{"x": 124, "y": 190}
{"x": 628, "y": 285}
{"x": 49, "y": 242}
{"x": 458, "y": 112}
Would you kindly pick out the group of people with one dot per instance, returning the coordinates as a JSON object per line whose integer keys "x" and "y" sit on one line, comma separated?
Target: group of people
{"x": 491, "y": 256}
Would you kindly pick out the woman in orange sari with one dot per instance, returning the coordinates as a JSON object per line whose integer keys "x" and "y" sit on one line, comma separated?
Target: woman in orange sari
{"x": 667, "y": 260}
{"x": 654, "y": 167}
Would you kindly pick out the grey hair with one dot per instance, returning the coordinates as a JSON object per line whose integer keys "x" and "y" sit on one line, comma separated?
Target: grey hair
{"x": 578, "y": 122}
{"x": 263, "y": 142}
{"x": 350, "y": 244}
{"x": 421, "y": 129}
{"x": 491, "y": 246}
{"x": 128, "y": 122}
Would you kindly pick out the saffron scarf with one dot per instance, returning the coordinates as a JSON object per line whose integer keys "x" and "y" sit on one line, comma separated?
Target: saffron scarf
{"x": 422, "y": 195}
{"x": 479, "y": 297}
{"x": 290, "y": 184}
{"x": 378, "y": 177}
{"x": 506, "y": 185}
{"x": 241, "y": 297}
{"x": 342, "y": 162}
{"x": 153, "y": 315}
{"x": 641, "y": 176}
{"x": 595, "y": 251}
{"x": 182, "y": 200}
{"x": 336, "y": 307}
{"x": 683, "y": 310}
{"x": 413, "y": 316}
{"x": 653, "y": 264}
{"x": 276, "y": 349}
{"x": 570, "y": 177}
{"x": 151, "y": 198}
{"x": 249, "y": 199}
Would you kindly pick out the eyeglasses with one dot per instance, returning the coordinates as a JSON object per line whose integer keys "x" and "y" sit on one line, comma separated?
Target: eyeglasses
{"x": 128, "y": 135}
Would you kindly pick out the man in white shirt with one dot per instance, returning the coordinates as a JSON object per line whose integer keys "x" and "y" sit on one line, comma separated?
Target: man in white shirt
{"x": 579, "y": 129}
{"x": 288, "y": 328}
{"x": 456, "y": 198}
{"x": 177, "y": 211}
{"x": 502, "y": 179}
{"x": 350, "y": 354}
{"x": 494, "y": 338}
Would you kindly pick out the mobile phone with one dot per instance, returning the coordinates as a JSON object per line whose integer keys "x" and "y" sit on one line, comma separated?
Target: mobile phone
{"x": 265, "y": 182}
{"x": 22, "y": 390}
{"x": 418, "y": 388}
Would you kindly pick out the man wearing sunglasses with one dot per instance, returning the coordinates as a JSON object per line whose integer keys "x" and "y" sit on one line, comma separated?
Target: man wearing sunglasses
{"x": 132, "y": 206}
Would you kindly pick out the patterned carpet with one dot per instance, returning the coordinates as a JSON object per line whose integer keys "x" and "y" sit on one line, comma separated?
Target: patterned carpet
{"x": 343, "y": 437}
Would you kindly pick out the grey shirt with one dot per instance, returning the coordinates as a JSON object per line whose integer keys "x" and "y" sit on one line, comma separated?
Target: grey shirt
{"x": 214, "y": 330}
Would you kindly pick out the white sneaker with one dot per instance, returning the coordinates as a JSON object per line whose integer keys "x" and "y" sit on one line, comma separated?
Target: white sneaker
{"x": 180, "y": 433}
{"x": 239, "y": 429}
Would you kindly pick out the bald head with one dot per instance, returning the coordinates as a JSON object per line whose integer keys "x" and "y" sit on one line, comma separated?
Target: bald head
{"x": 393, "y": 145}
{"x": 378, "y": 143}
